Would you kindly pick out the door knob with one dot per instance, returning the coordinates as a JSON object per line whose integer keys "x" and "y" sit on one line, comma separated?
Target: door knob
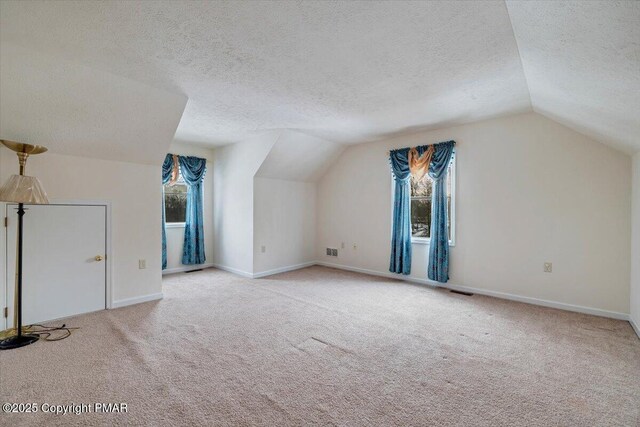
{"x": 99, "y": 258}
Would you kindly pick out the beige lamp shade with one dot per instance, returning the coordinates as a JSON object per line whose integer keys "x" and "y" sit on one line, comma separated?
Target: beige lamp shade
{"x": 23, "y": 189}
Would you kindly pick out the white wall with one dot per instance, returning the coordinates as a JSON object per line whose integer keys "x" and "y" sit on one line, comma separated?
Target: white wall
{"x": 528, "y": 191}
{"x": 233, "y": 169}
{"x": 135, "y": 195}
{"x": 264, "y": 195}
{"x": 284, "y": 216}
{"x": 635, "y": 246}
{"x": 296, "y": 156}
{"x": 175, "y": 235}
{"x": 284, "y": 223}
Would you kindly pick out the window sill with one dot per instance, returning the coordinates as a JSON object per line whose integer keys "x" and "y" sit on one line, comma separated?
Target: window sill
{"x": 423, "y": 241}
{"x": 174, "y": 225}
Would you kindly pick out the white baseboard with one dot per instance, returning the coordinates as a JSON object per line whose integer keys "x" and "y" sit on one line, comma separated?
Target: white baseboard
{"x": 635, "y": 327}
{"x": 545, "y": 303}
{"x": 387, "y": 275}
{"x": 186, "y": 268}
{"x": 233, "y": 270}
{"x": 136, "y": 300}
{"x": 283, "y": 269}
{"x": 496, "y": 294}
{"x": 263, "y": 273}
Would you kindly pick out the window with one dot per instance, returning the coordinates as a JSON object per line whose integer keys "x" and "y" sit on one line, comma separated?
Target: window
{"x": 421, "y": 193}
{"x": 175, "y": 201}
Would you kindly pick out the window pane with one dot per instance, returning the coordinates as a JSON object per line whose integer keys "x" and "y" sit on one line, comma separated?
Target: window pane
{"x": 421, "y": 193}
{"x": 422, "y": 187}
{"x": 420, "y": 217}
{"x": 175, "y": 202}
{"x": 449, "y": 212}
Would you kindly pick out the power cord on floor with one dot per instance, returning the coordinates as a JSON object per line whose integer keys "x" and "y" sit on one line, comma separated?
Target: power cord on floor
{"x": 44, "y": 332}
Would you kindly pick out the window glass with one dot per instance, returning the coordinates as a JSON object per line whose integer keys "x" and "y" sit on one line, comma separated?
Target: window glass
{"x": 175, "y": 201}
{"x": 421, "y": 194}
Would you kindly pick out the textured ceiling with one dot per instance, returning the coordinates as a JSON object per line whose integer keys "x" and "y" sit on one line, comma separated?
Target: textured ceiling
{"x": 355, "y": 71}
{"x": 344, "y": 71}
{"x": 582, "y": 64}
{"x": 77, "y": 110}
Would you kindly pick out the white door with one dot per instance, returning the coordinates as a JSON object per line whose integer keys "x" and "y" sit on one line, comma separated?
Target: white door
{"x": 61, "y": 274}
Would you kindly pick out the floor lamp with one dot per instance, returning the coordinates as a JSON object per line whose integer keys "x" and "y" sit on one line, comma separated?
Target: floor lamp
{"x": 21, "y": 189}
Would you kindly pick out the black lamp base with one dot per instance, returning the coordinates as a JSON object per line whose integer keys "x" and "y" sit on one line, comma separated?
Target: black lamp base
{"x": 17, "y": 341}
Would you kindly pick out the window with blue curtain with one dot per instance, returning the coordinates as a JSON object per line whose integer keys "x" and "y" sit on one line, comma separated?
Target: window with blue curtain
{"x": 188, "y": 172}
{"x": 438, "y": 196}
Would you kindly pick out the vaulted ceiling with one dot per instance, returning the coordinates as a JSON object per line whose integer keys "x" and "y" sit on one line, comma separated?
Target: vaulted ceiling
{"x": 581, "y": 60}
{"x": 351, "y": 72}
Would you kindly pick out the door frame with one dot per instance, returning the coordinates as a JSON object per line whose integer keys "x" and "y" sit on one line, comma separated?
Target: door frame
{"x": 4, "y": 280}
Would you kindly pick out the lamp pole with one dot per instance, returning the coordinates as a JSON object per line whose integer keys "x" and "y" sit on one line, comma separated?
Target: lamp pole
{"x": 21, "y": 189}
{"x": 22, "y": 158}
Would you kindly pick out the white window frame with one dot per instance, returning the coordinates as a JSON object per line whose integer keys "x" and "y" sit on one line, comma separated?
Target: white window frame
{"x": 174, "y": 224}
{"x": 427, "y": 240}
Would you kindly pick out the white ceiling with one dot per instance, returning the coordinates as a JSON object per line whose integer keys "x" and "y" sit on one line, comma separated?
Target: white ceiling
{"x": 582, "y": 63}
{"x": 344, "y": 71}
{"x": 77, "y": 110}
{"x": 355, "y": 71}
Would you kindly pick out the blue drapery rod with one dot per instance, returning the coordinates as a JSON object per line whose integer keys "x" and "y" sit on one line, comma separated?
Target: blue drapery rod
{"x": 425, "y": 146}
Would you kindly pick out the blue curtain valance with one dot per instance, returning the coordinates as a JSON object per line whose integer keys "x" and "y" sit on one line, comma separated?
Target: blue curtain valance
{"x": 193, "y": 169}
{"x": 167, "y": 168}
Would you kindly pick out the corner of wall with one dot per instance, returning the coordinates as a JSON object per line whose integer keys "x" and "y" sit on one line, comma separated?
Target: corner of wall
{"x": 634, "y": 300}
{"x": 234, "y": 169}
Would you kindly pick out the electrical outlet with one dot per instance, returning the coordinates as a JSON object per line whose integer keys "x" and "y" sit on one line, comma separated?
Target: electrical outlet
{"x": 263, "y": 249}
{"x": 142, "y": 264}
{"x": 548, "y": 267}
{"x": 329, "y": 251}
{"x": 334, "y": 252}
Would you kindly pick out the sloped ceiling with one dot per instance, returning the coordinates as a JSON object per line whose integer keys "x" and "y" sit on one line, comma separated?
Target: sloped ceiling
{"x": 76, "y": 110}
{"x": 582, "y": 64}
{"x": 296, "y": 156}
{"x": 344, "y": 71}
{"x": 355, "y": 71}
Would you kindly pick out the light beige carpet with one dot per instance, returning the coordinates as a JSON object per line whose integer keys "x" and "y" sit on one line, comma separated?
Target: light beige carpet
{"x": 324, "y": 347}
